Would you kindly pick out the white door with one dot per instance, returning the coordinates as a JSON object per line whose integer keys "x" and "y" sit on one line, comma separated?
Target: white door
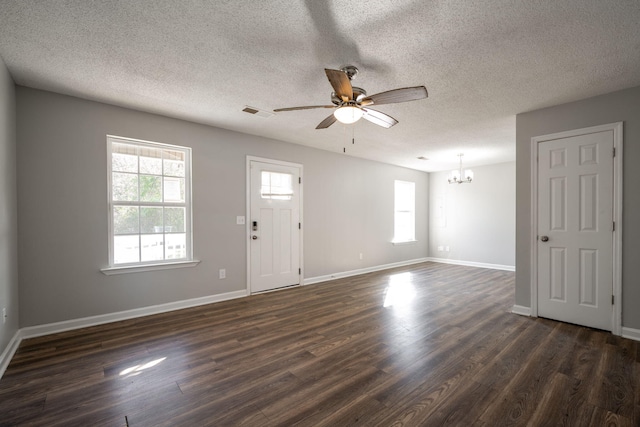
{"x": 274, "y": 225}
{"x": 575, "y": 229}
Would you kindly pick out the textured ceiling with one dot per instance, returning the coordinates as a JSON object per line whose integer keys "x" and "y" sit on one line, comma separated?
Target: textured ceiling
{"x": 483, "y": 62}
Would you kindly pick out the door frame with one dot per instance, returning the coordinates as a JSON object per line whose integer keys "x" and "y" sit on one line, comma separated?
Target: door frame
{"x": 299, "y": 166}
{"x": 617, "y": 129}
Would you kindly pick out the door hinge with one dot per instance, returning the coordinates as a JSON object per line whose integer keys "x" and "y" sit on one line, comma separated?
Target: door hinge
{"x": 614, "y": 151}
{"x": 612, "y": 299}
{"x": 299, "y": 180}
{"x": 614, "y": 226}
{"x": 299, "y": 271}
{"x": 299, "y": 226}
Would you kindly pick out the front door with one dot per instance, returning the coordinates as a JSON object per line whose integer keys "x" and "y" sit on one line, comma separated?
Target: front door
{"x": 575, "y": 228}
{"x": 274, "y": 225}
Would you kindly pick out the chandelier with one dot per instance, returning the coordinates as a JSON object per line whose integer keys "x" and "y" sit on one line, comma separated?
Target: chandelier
{"x": 457, "y": 176}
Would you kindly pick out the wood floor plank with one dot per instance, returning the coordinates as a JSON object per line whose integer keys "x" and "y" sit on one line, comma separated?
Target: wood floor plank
{"x": 427, "y": 344}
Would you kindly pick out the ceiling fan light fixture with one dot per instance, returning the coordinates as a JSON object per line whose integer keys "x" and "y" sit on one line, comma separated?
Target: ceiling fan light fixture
{"x": 348, "y": 114}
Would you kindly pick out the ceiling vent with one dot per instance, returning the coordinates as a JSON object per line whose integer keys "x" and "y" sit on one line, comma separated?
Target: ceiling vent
{"x": 257, "y": 111}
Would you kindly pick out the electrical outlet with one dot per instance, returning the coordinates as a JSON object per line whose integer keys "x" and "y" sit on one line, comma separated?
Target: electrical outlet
{"x": 360, "y": 255}
{"x": 440, "y": 248}
{"x": 446, "y": 248}
{"x": 240, "y": 220}
{"x": 223, "y": 273}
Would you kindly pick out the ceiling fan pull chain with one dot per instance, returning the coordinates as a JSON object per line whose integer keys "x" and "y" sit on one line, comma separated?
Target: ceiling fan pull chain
{"x": 353, "y": 135}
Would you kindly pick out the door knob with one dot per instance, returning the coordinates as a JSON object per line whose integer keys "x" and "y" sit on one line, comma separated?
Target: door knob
{"x": 254, "y": 237}
{"x": 544, "y": 238}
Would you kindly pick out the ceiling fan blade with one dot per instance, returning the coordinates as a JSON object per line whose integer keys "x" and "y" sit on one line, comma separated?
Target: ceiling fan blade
{"x": 306, "y": 107}
{"x": 396, "y": 95}
{"x": 327, "y": 122}
{"x": 340, "y": 83}
{"x": 378, "y": 118}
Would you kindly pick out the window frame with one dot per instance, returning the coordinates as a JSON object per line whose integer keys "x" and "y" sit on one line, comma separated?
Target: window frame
{"x": 188, "y": 261}
{"x": 396, "y": 240}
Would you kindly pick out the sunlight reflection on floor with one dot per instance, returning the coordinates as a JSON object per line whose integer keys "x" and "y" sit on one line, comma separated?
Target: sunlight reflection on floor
{"x": 137, "y": 369}
{"x": 400, "y": 292}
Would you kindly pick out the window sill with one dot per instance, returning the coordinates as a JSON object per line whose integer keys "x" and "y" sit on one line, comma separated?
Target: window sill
{"x": 404, "y": 242}
{"x": 109, "y": 271}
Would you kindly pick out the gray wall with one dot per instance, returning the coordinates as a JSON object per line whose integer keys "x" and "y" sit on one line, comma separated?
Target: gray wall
{"x": 62, "y": 187}
{"x": 614, "y": 107}
{"x": 476, "y": 220}
{"x": 8, "y": 209}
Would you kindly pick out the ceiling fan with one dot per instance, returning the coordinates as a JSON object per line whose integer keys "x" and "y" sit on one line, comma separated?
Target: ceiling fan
{"x": 351, "y": 103}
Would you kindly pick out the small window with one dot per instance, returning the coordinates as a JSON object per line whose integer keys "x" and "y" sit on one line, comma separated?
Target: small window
{"x": 405, "y": 212}
{"x": 149, "y": 202}
{"x": 276, "y": 185}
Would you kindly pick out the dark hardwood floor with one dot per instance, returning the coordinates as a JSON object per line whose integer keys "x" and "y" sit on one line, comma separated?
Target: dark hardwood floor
{"x": 426, "y": 345}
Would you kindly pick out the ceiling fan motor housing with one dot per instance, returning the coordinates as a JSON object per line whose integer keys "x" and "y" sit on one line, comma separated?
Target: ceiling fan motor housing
{"x": 350, "y": 70}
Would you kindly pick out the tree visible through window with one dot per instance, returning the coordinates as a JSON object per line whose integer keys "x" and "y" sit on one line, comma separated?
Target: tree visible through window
{"x": 149, "y": 201}
{"x": 404, "y": 229}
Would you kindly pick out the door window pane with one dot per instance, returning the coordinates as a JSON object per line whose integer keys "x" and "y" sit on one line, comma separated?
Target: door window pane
{"x": 276, "y": 186}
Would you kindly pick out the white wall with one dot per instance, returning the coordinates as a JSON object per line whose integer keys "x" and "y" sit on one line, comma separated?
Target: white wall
{"x": 475, "y": 220}
{"x": 8, "y": 209}
{"x": 62, "y": 187}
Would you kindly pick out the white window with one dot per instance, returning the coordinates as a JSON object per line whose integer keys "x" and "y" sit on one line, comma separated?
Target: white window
{"x": 404, "y": 229}
{"x": 149, "y": 203}
{"x": 276, "y": 185}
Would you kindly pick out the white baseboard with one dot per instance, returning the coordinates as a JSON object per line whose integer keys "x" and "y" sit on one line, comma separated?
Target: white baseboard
{"x": 521, "y": 310}
{"x": 473, "y": 264}
{"x": 631, "y": 333}
{"x": 327, "y": 277}
{"x": 67, "y": 325}
{"x": 9, "y": 351}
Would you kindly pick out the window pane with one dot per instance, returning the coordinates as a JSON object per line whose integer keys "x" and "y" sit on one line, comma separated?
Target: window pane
{"x": 176, "y": 246}
{"x": 150, "y": 188}
{"x": 404, "y": 216}
{"x": 125, "y": 220}
{"x": 151, "y": 220}
{"x": 124, "y": 162}
{"x": 152, "y": 247}
{"x": 151, "y": 165}
{"x": 126, "y": 249}
{"x": 404, "y": 226}
{"x": 125, "y": 187}
{"x": 174, "y": 189}
{"x": 173, "y": 163}
{"x": 174, "y": 220}
{"x": 276, "y": 185}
